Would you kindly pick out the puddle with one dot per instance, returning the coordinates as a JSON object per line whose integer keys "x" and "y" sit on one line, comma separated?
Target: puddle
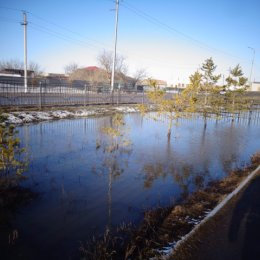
{"x": 79, "y": 193}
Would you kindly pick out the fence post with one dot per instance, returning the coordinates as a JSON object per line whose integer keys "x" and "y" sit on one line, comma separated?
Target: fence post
{"x": 118, "y": 95}
{"x": 40, "y": 98}
{"x": 112, "y": 97}
{"x": 85, "y": 94}
{"x": 44, "y": 92}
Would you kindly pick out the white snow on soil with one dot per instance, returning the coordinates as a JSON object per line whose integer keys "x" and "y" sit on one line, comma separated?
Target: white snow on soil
{"x": 36, "y": 116}
{"x": 126, "y": 109}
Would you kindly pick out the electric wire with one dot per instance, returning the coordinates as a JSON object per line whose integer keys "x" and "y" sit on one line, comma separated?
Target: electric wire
{"x": 95, "y": 43}
{"x": 67, "y": 29}
{"x": 171, "y": 29}
{"x": 60, "y": 35}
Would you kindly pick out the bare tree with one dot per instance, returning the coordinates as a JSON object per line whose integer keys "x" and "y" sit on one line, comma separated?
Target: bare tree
{"x": 139, "y": 75}
{"x": 71, "y": 67}
{"x": 11, "y": 64}
{"x": 36, "y": 68}
{"x": 17, "y": 64}
{"x": 105, "y": 60}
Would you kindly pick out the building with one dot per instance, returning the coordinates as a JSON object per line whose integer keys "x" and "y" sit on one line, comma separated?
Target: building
{"x": 17, "y": 73}
{"x": 255, "y": 86}
{"x": 161, "y": 84}
{"x": 99, "y": 77}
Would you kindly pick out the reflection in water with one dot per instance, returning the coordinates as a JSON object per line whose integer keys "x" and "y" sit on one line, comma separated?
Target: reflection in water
{"x": 115, "y": 144}
{"x": 153, "y": 172}
{"x": 183, "y": 175}
{"x": 86, "y": 185}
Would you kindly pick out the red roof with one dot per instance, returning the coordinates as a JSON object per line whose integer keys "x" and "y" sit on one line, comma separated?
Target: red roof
{"x": 92, "y": 68}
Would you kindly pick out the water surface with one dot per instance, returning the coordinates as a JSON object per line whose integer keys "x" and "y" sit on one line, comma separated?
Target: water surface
{"x": 84, "y": 189}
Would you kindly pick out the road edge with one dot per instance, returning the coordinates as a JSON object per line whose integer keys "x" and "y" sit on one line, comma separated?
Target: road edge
{"x": 212, "y": 213}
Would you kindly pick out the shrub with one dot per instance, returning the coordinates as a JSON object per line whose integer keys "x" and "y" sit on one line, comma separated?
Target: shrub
{"x": 11, "y": 162}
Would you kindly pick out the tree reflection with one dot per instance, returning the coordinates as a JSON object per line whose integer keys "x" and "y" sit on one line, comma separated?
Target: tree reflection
{"x": 184, "y": 175}
{"x": 115, "y": 145}
{"x": 152, "y": 173}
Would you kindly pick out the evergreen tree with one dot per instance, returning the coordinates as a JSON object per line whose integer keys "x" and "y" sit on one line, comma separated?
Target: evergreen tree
{"x": 235, "y": 90}
{"x": 209, "y": 78}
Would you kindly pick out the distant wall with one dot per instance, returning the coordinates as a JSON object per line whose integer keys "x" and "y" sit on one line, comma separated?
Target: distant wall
{"x": 255, "y": 86}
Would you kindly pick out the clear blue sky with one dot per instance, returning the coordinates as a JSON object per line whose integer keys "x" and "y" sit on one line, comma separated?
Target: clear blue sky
{"x": 170, "y": 38}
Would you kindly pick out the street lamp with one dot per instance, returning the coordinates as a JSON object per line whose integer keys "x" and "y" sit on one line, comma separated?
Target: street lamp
{"x": 250, "y": 78}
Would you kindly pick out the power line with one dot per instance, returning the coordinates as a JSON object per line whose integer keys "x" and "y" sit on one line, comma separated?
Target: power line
{"x": 171, "y": 29}
{"x": 60, "y": 35}
{"x": 10, "y": 8}
{"x": 69, "y": 39}
{"x": 7, "y": 19}
{"x": 66, "y": 29}
{"x": 36, "y": 28}
{"x": 94, "y": 42}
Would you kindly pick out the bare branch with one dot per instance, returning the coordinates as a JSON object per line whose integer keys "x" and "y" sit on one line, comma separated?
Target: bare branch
{"x": 70, "y": 68}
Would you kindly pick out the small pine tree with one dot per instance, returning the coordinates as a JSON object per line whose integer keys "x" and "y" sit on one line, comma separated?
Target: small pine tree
{"x": 209, "y": 78}
{"x": 235, "y": 90}
{"x": 10, "y": 152}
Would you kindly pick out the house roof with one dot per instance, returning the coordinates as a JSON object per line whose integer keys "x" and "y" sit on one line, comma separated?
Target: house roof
{"x": 92, "y": 68}
{"x": 15, "y": 71}
{"x": 58, "y": 75}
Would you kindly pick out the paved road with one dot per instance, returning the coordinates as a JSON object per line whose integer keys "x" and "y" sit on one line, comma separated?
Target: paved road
{"x": 245, "y": 222}
{"x": 233, "y": 234}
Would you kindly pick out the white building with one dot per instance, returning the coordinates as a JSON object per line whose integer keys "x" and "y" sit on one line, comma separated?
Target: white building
{"x": 255, "y": 86}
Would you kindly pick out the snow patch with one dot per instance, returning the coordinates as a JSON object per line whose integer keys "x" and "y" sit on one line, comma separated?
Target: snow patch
{"x": 42, "y": 116}
{"x": 84, "y": 113}
{"x": 61, "y": 114}
{"x": 26, "y": 117}
{"x": 12, "y": 119}
{"x": 36, "y": 116}
{"x": 126, "y": 109}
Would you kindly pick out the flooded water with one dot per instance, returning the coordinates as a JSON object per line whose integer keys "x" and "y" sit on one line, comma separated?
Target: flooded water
{"x": 85, "y": 188}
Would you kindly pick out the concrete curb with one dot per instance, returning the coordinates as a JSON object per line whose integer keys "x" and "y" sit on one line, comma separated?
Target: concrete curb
{"x": 214, "y": 211}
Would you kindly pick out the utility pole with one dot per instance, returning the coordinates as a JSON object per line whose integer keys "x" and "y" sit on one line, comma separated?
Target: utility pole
{"x": 24, "y": 23}
{"x": 115, "y": 43}
{"x": 251, "y": 71}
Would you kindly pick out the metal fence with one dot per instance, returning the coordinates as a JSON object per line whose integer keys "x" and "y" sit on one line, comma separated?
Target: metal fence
{"x": 43, "y": 93}
{"x": 59, "y": 92}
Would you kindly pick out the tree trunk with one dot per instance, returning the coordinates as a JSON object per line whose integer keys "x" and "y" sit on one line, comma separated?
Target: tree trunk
{"x": 170, "y": 128}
